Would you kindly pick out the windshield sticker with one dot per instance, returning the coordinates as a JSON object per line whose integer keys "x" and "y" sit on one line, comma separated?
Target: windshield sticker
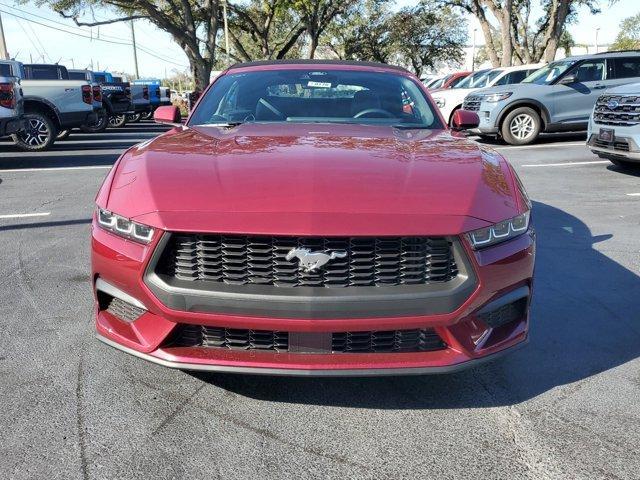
{"x": 312, "y": 84}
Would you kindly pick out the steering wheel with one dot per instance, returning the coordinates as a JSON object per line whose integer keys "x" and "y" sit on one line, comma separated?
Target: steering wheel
{"x": 368, "y": 111}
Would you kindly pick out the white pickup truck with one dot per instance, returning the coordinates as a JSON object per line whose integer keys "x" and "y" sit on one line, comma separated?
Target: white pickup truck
{"x": 11, "y": 102}
{"x": 51, "y": 104}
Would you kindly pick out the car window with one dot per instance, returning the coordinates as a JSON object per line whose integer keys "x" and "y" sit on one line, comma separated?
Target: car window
{"x": 456, "y": 81}
{"x": 590, "y": 71}
{"x": 626, "y": 67}
{"x": 316, "y": 96}
{"x": 100, "y": 77}
{"x": 488, "y": 79}
{"x": 438, "y": 83}
{"x": 469, "y": 81}
{"x": 43, "y": 72}
{"x": 77, "y": 76}
{"x": 549, "y": 73}
{"x": 5, "y": 70}
{"x": 512, "y": 77}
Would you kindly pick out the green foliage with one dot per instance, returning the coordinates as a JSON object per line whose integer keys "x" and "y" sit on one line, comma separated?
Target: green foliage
{"x": 629, "y": 35}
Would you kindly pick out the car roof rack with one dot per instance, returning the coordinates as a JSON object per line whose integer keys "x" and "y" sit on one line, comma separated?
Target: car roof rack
{"x": 631, "y": 50}
{"x": 315, "y": 62}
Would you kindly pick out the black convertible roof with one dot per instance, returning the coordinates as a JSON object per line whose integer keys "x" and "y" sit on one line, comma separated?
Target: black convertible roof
{"x": 316, "y": 62}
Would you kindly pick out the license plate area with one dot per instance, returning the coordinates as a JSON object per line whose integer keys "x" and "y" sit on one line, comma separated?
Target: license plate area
{"x": 606, "y": 135}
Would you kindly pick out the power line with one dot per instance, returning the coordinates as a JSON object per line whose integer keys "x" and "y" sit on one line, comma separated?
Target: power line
{"x": 102, "y": 37}
{"x": 144, "y": 49}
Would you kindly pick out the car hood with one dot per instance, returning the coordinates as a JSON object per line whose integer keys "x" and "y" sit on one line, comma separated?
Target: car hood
{"x": 518, "y": 89}
{"x": 313, "y": 178}
{"x": 628, "y": 89}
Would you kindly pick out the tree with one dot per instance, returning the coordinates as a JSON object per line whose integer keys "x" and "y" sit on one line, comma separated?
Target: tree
{"x": 364, "y": 34}
{"x": 264, "y": 29}
{"x": 317, "y": 16}
{"x": 629, "y": 34}
{"x": 511, "y": 36}
{"x": 427, "y": 35}
{"x": 193, "y": 24}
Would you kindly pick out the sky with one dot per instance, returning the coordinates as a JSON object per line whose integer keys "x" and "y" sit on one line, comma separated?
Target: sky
{"x": 36, "y": 35}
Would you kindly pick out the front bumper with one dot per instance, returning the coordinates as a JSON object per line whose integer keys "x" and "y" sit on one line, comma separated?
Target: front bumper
{"x": 625, "y": 145}
{"x": 501, "y": 271}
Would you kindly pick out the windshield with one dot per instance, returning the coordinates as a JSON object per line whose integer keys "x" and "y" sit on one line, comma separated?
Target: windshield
{"x": 100, "y": 77}
{"x": 549, "y": 73}
{"x": 316, "y": 96}
{"x": 475, "y": 79}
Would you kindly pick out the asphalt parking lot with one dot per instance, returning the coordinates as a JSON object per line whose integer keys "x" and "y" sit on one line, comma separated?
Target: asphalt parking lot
{"x": 565, "y": 406}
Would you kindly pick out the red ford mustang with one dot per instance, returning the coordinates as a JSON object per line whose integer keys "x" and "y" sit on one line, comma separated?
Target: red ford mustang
{"x": 313, "y": 218}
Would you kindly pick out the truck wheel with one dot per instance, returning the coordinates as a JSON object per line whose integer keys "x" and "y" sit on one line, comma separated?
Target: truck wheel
{"x": 117, "y": 121}
{"x": 39, "y": 133}
{"x": 63, "y": 134}
{"x": 521, "y": 126}
{"x": 135, "y": 118}
{"x": 99, "y": 126}
{"x": 147, "y": 115}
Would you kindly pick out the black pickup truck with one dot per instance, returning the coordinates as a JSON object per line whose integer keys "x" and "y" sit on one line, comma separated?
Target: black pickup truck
{"x": 118, "y": 94}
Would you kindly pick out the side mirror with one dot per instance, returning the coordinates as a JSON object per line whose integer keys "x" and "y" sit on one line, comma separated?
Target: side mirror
{"x": 464, "y": 120}
{"x": 568, "y": 79}
{"x": 169, "y": 114}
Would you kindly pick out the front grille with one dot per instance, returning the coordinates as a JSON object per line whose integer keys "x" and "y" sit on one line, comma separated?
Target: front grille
{"x": 625, "y": 111}
{"x": 422, "y": 340}
{"x": 119, "y": 308}
{"x": 393, "y": 341}
{"x": 232, "y": 339}
{"x": 620, "y": 145}
{"x": 472, "y": 103}
{"x": 261, "y": 260}
{"x": 506, "y": 314}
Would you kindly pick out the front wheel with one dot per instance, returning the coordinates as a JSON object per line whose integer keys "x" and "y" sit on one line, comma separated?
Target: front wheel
{"x": 39, "y": 133}
{"x": 99, "y": 126}
{"x": 521, "y": 126}
{"x": 117, "y": 121}
{"x": 147, "y": 115}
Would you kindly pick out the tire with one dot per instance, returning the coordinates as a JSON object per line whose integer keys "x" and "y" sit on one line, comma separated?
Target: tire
{"x": 135, "y": 118}
{"x": 147, "y": 115}
{"x": 117, "y": 121}
{"x": 625, "y": 164}
{"x": 63, "y": 134}
{"x": 39, "y": 134}
{"x": 100, "y": 126}
{"x": 521, "y": 126}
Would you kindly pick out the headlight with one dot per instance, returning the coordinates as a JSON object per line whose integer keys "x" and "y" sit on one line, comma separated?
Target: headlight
{"x": 500, "y": 232}
{"x": 440, "y": 102}
{"x": 496, "y": 97}
{"x": 124, "y": 227}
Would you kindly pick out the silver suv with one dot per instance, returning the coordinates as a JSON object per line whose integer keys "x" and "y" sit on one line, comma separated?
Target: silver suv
{"x": 557, "y": 98}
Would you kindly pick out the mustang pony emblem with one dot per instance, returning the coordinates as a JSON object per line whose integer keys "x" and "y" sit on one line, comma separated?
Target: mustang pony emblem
{"x": 309, "y": 261}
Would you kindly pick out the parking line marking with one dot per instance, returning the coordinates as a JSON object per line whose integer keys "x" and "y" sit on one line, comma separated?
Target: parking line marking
{"x": 45, "y": 169}
{"x": 546, "y": 145}
{"x": 565, "y": 164}
{"x": 633, "y": 194}
{"x": 25, "y": 215}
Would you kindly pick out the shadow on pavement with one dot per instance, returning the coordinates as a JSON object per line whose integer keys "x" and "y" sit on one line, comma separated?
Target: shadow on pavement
{"x": 585, "y": 320}
{"x": 60, "y": 223}
{"x": 545, "y": 138}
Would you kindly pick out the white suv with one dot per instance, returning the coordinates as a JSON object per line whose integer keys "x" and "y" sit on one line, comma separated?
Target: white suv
{"x": 614, "y": 126}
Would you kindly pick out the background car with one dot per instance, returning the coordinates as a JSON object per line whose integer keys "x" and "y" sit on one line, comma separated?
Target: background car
{"x": 614, "y": 126}
{"x": 450, "y": 100}
{"x": 449, "y": 81}
{"x": 557, "y": 98}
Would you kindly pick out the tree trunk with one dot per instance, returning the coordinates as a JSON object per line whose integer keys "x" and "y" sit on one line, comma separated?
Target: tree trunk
{"x": 313, "y": 45}
{"x": 201, "y": 72}
{"x": 505, "y": 33}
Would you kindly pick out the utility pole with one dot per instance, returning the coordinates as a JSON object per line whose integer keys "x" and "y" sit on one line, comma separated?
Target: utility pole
{"x": 135, "y": 52}
{"x": 226, "y": 31}
{"x": 597, "y": 46}
{"x": 473, "y": 51}
{"x": 3, "y": 44}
